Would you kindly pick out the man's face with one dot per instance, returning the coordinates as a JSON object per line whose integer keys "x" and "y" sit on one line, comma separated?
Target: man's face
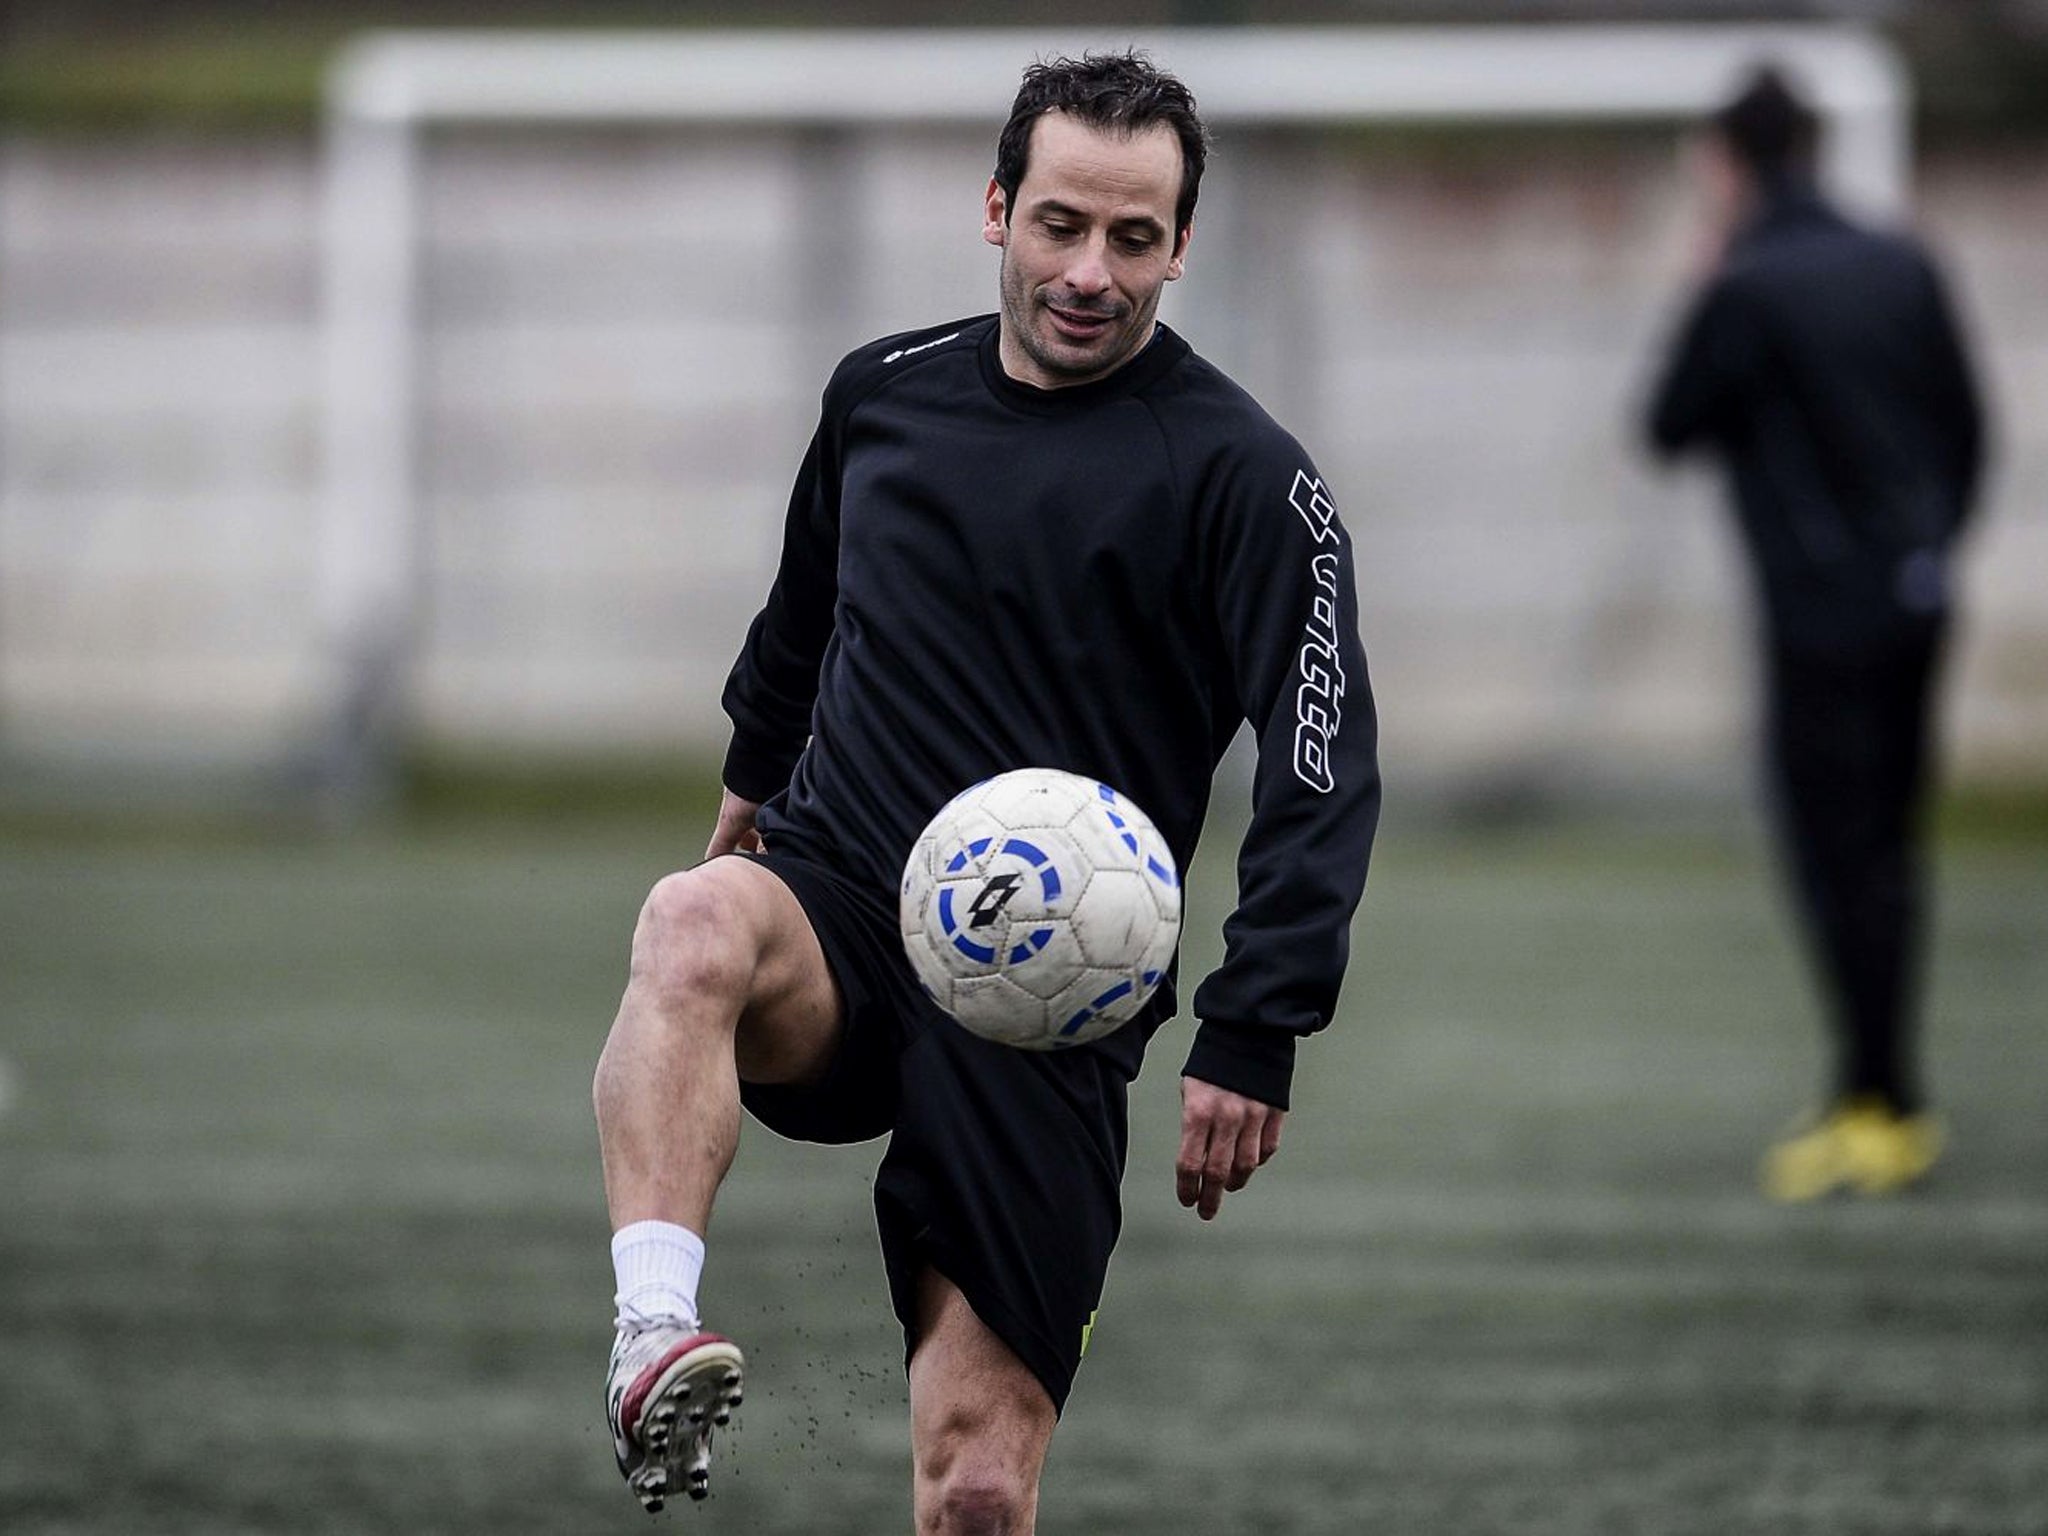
{"x": 1087, "y": 248}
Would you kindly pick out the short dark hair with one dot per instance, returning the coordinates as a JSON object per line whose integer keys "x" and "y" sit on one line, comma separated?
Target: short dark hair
{"x": 1769, "y": 126}
{"x": 1123, "y": 92}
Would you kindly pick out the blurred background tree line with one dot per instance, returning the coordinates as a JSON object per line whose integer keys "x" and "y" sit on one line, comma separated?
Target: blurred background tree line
{"x": 1980, "y": 66}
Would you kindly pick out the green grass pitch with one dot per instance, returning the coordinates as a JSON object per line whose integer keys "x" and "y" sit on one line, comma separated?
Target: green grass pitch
{"x": 300, "y": 1224}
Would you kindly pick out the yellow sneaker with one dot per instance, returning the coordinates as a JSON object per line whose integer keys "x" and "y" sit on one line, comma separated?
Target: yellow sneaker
{"x": 1859, "y": 1144}
{"x": 1891, "y": 1151}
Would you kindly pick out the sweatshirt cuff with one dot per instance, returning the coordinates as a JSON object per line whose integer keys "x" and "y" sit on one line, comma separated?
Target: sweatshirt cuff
{"x": 1252, "y": 1059}
{"x": 754, "y": 774}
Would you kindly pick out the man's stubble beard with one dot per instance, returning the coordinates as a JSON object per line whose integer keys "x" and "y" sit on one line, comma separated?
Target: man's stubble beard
{"x": 1020, "y": 310}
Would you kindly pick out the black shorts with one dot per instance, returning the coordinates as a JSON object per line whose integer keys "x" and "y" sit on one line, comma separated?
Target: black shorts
{"x": 1004, "y": 1167}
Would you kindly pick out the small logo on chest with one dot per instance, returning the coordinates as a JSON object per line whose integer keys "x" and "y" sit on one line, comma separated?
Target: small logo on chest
{"x": 923, "y": 346}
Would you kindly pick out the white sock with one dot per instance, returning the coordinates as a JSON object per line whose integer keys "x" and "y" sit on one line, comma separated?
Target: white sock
{"x": 657, "y": 1264}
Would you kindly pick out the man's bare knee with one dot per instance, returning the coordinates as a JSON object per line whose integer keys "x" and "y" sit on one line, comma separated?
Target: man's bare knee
{"x": 694, "y": 941}
{"x": 727, "y": 945}
{"x": 980, "y": 1422}
{"x": 978, "y": 1478}
{"x": 980, "y": 1499}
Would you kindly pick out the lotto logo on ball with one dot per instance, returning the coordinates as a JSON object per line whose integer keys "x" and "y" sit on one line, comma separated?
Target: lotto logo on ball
{"x": 1040, "y": 908}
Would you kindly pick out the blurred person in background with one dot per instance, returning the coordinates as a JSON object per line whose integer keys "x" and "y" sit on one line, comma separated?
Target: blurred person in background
{"x": 1052, "y": 536}
{"x": 1821, "y": 363}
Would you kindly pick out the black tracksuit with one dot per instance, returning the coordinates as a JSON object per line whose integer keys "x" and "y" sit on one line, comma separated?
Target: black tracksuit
{"x": 1108, "y": 578}
{"x": 1823, "y": 364}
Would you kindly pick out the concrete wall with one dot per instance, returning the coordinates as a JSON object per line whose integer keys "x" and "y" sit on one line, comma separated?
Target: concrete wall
{"x": 620, "y": 362}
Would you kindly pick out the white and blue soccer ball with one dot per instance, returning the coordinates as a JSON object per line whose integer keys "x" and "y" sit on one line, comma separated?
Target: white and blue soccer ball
{"x": 1040, "y": 908}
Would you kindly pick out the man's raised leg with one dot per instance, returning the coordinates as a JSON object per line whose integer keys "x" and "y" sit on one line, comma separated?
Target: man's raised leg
{"x": 980, "y": 1422}
{"x": 726, "y": 977}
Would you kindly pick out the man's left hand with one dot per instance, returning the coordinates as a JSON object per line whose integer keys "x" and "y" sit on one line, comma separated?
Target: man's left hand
{"x": 1224, "y": 1139}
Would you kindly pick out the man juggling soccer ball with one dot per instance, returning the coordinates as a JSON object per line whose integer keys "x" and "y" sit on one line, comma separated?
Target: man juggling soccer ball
{"x": 1049, "y": 539}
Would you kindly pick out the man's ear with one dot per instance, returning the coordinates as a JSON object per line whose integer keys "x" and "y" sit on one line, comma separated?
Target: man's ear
{"x": 995, "y": 208}
{"x": 1179, "y": 261}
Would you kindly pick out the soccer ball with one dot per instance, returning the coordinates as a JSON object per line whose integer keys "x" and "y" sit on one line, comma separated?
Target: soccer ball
{"x": 1040, "y": 909}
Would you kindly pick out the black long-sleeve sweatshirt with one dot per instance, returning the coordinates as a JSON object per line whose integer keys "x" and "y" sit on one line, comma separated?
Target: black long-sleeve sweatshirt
{"x": 1824, "y": 362}
{"x": 1108, "y": 578}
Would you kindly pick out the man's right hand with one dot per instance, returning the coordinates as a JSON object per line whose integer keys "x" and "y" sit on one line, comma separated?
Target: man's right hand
{"x": 735, "y": 832}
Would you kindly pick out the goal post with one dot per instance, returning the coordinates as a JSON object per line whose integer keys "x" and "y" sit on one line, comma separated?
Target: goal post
{"x": 388, "y": 90}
